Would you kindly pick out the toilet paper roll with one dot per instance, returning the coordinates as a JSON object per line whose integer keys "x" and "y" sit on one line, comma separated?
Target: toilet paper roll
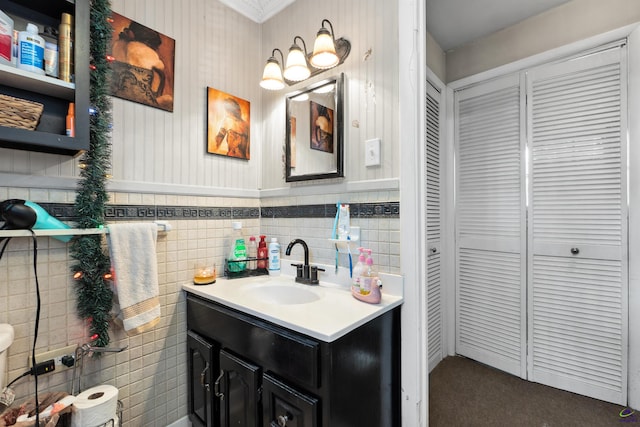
{"x": 95, "y": 406}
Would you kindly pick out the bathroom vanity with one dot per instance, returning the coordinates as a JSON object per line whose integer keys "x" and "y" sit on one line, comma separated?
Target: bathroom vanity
{"x": 276, "y": 353}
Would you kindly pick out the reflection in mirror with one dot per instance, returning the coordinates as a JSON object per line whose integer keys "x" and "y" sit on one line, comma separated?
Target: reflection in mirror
{"x": 314, "y": 143}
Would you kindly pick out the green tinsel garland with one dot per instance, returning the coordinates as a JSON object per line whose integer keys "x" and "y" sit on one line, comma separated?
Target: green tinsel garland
{"x": 94, "y": 295}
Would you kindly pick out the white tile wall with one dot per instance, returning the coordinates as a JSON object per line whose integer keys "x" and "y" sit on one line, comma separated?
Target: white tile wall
{"x": 151, "y": 373}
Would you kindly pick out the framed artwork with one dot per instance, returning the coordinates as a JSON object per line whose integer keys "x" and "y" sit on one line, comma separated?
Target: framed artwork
{"x": 228, "y": 125}
{"x": 143, "y": 65}
{"x": 321, "y": 127}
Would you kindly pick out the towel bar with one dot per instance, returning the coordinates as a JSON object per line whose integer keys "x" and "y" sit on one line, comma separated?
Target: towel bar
{"x": 163, "y": 227}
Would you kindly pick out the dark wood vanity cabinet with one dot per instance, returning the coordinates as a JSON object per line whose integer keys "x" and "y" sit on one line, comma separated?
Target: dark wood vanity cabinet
{"x": 244, "y": 371}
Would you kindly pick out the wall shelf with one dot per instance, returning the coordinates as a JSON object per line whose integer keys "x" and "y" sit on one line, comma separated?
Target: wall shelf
{"x": 163, "y": 227}
{"x": 15, "y": 77}
{"x": 54, "y": 94}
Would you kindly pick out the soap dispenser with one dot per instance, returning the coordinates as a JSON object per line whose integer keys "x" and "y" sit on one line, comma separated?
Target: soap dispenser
{"x": 370, "y": 284}
{"x": 357, "y": 270}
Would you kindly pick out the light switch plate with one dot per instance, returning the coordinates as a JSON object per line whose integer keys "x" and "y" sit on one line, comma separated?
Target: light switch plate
{"x": 372, "y": 152}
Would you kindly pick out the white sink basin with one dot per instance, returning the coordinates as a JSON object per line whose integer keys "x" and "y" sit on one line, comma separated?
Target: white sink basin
{"x": 283, "y": 293}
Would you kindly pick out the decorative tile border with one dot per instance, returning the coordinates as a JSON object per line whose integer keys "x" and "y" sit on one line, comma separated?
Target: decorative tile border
{"x": 356, "y": 210}
{"x": 65, "y": 211}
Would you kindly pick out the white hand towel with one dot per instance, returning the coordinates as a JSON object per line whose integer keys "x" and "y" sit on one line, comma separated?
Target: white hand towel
{"x": 132, "y": 248}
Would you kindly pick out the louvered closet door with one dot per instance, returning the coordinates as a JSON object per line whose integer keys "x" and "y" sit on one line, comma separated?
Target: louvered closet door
{"x": 490, "y": 225}
{"x": 434, "y": 292}
{"x": 578, "y": 266}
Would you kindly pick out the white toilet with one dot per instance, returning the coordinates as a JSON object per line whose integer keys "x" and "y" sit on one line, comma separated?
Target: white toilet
{"x": 6, "y": 339}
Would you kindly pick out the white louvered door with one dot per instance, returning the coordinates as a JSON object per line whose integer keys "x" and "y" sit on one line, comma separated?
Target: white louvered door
{"x": 577, "y": 232}
{"x": 434, "y": 291}
{"x": 490, "y": 225}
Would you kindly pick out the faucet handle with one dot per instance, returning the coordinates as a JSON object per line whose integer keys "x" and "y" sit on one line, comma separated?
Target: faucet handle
{"x": 314, "y": 273}
{"x": 299, "y": 269}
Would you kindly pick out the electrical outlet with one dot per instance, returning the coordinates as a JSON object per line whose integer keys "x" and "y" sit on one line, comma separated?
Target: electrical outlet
{"x": 56, "y": 355}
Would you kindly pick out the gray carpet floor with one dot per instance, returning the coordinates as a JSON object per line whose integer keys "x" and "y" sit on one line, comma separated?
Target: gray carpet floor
{"x": 465, "y": 393}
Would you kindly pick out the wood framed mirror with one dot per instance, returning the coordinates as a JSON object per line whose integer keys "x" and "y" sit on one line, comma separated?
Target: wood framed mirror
{"x": 314, "y": 131}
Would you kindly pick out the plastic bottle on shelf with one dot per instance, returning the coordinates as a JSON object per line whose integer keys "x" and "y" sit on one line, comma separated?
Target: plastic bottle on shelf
{"x": 31, "y": 50}
{"x": 6, "y": 39}
{"x": 70, "y": 122}
{"x": 238, "y": 250}
{"x": 50, "y": 36}
{"x": 274, "y": 257}
{"x": 357, "y": 270}
{"x": 263, "y": 253}
{"x": 253, "y": 252}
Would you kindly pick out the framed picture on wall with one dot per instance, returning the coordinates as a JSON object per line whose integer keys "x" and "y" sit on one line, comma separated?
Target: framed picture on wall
{"x": 321, "y": 127}
{"x": 228, "y": 124}
{"x": 143, "y": 65}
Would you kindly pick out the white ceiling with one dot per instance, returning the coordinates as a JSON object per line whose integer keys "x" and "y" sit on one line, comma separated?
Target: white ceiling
{"x": 257, "y": 10}
{"x": 453, "y": 23}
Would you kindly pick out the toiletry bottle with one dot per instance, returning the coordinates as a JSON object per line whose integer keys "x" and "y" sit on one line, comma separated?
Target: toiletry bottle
{"x": 263, "y": 253}
{"x": 253, "y": 252}
{"x": 368, "y": 276}
{"x": 357, "y": 271}
{"x": 6, "y": 39}
{"x": 50, "y": 36}
{"x": 71, "y": 121}
{"x": 274, "y": 257}
{"x": 31, "y": 50}
{"x": 65, "y": 48}
{"x": 238, "y": 249}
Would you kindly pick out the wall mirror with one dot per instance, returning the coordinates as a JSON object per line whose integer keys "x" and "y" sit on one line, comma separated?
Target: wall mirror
{"x": 314, "y": 143}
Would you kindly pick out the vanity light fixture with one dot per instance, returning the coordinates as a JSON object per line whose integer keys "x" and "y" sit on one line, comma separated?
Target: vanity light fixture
{"x": 297, "y": 69}
{"x": 272, "y": 74}
{"x": 328, "y": 52}
{"x": 324, "y": 49}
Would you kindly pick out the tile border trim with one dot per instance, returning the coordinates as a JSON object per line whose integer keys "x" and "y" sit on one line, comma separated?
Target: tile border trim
{"x": 65, "y": 211}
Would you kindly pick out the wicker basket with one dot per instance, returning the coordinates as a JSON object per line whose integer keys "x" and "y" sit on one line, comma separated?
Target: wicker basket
{"x": 19, "y": 113}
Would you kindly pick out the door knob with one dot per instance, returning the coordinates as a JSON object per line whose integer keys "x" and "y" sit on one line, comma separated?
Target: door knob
{"x": 575, "y": 251}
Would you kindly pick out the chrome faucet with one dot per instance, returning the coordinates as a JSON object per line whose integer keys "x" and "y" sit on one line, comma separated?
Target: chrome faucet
{"x": 305, "y": 273}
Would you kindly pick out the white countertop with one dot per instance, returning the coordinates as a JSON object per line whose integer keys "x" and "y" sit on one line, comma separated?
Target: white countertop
{"x": 333, "y": 314}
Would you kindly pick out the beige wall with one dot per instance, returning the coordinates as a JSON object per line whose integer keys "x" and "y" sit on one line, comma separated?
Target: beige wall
{"x": 565, "y": 24}
{"x": 436, "y": 58}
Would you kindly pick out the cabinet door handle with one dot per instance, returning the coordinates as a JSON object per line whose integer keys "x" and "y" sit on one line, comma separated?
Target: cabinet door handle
{"x": 216, "y": 386}
{"x": 203, "y": 376}
{"x": 575, "y": 251}
{"x": 433, "y": 249}
{"x": 282, "y": 419}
